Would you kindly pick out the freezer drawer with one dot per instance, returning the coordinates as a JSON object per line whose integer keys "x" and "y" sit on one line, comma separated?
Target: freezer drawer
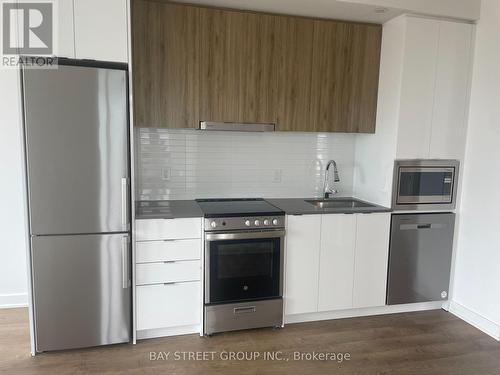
{"x": 420, "y": 257}
{"x": 81, "y": 290}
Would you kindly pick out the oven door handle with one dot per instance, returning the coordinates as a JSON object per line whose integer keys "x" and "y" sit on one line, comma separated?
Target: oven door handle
{"x": 245, "y": 235}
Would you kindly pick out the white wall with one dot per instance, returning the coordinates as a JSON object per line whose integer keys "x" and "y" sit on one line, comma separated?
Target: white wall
{"x": 13, "y": 281}
{"x": 477, "y": 278}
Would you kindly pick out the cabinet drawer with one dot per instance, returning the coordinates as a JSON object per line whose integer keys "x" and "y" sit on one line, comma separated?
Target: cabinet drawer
{"x": 156, "y": 273}
{"x": 160, "y": 251}
{"x": 170, "y": 305}
{"x": 167, "y": 229}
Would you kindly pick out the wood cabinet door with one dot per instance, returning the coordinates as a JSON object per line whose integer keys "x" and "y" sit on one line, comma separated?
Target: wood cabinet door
{"x": 166, "y": 46}
{"x": 344, "y": 77}
{"x": 295, "y": 36}
{"x": 302, "y": 264}
{"x": 238, "y": 81}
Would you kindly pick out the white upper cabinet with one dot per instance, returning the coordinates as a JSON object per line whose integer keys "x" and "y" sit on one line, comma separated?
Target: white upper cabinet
{"x": 64, "y": 40}
{"x": 301, "y": 263}
{"x": 434, "y": 89}
{"x": 371, "y": 259}
{"x": 449, "y": 121}
{"x": 336, "y": 265}
{"x": 417, "y": 88}
{"x": 101, "y": 30}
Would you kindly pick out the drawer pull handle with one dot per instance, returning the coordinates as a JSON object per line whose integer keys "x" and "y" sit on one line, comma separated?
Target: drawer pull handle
{"x": 168, "y": 240}
{"x": 244, "y": 310}
{"x": 172, "y": 283}
{"x": 169, "y": 261}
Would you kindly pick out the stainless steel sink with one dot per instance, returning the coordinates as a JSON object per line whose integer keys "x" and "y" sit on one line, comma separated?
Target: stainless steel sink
{"x": 338, "y": 203}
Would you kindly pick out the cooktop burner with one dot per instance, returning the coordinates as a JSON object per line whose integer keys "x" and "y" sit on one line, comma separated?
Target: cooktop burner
{"x": 237, "y": 207}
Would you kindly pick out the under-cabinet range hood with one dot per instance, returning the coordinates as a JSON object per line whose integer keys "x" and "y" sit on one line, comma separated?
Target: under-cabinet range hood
{"x": 237, "y": 126}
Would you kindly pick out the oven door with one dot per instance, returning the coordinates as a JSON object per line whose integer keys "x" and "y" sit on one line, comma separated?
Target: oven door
{"x": 425, "y": 185}
{"x": 243, "y": 266}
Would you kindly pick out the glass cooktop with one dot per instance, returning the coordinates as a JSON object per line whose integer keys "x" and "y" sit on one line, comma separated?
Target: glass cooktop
{"x": 237, "y": 207}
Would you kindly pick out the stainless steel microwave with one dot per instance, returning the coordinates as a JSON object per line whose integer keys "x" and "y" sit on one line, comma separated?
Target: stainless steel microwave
{"x": 425, "y": 184}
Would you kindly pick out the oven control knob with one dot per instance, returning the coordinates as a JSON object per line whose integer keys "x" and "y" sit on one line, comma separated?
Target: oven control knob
{"x": 248, "y": 223}
{"x": 275, "y": 221}
{"x": 257, "y": 223}
{"x": 213, "y": 224}
{"x": 266, "y": 222}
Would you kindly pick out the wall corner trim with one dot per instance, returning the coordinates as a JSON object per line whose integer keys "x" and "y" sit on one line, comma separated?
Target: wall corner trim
{"x": 473, "y": 318}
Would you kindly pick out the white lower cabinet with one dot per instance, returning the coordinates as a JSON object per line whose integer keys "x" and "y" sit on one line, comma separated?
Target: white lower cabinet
{"x": 168, "y": 272}
{"x": 164, "y": 251}
{"x": 372, "y": 254}
{"x": 168, "y": 276}
{"x": 301, "y": 258}
{"x": 168, "y": 305}
{"x": 336, "y": 262}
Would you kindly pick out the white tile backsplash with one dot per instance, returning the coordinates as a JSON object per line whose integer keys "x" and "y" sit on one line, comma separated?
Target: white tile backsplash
{"x": 187, "y": 164}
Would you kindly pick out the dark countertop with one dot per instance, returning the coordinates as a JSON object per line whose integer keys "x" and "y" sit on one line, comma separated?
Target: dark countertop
{"x": 167, "y": 209}
{"x": 291, "y": 206}
{"x": 299, "y": 206}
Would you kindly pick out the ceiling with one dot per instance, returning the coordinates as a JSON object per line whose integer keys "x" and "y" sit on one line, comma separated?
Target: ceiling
{"x": 310, "y": 8}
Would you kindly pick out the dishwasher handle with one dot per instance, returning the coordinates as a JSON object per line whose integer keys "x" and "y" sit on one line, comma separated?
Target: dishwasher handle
{"x": 420, "y": 226}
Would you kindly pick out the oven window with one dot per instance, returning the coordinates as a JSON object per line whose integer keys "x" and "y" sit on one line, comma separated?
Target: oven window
{"x": 244, "y": 269}
{"x": 425, "y": 183}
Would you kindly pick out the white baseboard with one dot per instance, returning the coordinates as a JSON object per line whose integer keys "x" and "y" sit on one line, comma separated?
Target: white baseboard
{"x": 171, "y": 331}
{"x": 10, "y": 301}
{"x": 354, "y": 313}
{"x": 476, "y": 320}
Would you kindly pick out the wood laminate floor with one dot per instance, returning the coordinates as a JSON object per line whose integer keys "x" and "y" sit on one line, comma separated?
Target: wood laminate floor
{"x": 431, "y": 342}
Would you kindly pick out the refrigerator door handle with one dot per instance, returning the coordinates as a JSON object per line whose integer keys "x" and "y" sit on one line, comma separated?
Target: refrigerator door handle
{"x": 125, "y": 265}
{"x": 124, "y": 191}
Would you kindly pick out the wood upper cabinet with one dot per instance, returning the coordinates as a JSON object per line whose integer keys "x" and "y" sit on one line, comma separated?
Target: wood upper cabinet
{"x": 165, "y": 56}
{"x": 344, "y": 77}
{"x": 238, "y": 68}
{"x": 295, "y": 49}
{"x": 194, "y": 64}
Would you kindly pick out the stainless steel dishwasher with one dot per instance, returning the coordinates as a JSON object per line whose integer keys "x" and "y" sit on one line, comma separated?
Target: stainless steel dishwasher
{"x": 420, "y": 257}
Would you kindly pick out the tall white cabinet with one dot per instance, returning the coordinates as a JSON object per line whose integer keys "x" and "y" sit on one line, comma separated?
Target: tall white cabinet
{"x": 422, "y": 110}
{"x": 434, "y": 88}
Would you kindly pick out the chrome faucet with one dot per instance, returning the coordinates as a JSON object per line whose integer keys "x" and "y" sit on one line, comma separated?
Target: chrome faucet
{"x": 327, "y": 190}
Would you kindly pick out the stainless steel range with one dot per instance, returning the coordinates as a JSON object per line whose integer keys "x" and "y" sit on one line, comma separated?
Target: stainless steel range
{"x": 244, "y": 255}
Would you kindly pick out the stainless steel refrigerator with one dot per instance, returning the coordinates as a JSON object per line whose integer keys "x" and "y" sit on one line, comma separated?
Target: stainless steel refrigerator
{"x": 77, "y": 163}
